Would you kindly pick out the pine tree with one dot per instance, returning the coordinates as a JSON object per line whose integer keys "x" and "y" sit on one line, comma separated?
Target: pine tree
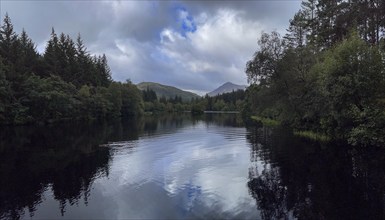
{"x": 85, "y": 64}
{"x": 327, "y": 12}
{"x": 297, "y": 31}
{"x": 370, "y": 18}
{"x": 4, "y": 95}
{"x": 51, "y": 56}
{"x": 71, "y": 60}
{"x": 104, "y": 70}
{"x": 8, "y": 46}
{"x": 310, "y": 13}
{"x": 28, "y": 56}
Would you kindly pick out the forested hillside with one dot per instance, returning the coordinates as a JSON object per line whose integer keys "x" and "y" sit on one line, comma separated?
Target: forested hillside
{"x": 326, "y": 74}
{"x": 226, "y": 88}
{"x": 167, "y": 92}
{"x": 65, "y": 82}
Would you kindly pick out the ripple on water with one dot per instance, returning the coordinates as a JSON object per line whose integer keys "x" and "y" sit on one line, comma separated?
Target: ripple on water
{"x": 200, "y": 168}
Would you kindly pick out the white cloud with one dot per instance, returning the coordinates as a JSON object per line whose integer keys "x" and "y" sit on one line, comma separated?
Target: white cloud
{"x": 192, "y": 45}
{"x": 217, "y": 51}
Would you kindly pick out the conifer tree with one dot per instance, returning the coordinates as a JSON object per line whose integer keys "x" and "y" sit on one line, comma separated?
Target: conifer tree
{"x": 8, "y": 46}
{"x": 51, "y": 56}
{"x": 28, "y": 56}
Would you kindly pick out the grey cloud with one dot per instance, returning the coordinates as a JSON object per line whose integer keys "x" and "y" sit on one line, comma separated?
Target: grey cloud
{"x": 141, "y": 20}
{"x": 38, "y": 17}
{"x": 128, "y": 32}
{"x": 275, "y": 13}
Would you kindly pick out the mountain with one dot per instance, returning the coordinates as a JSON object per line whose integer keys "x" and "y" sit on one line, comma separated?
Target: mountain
{"x": 167, "y": 91}
{"x": 225, "y": 88}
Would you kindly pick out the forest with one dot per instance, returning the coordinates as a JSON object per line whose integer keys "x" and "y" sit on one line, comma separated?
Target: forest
{"x": 232, "y": 101}
{"x": 326, "y": 74}
{"x": 64, "y": 83}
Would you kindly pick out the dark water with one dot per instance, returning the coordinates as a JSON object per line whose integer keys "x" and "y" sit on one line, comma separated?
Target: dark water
{"x": 176, "y": 166}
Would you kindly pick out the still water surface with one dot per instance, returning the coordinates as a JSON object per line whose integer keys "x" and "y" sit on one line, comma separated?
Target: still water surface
{"x": 177, "y": 166}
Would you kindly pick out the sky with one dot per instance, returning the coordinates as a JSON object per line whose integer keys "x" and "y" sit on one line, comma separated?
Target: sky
{"x": 193, "y": 45}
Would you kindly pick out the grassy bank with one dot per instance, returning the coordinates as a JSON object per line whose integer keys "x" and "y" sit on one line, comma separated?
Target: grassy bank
{"x": 312, "y": 135}
{"x": 266, "y": 121}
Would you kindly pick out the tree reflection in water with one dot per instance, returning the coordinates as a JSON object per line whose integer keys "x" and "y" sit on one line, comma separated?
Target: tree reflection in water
{"x": 295, "y": 178}
{"x": 288, "y": 177}
{"x": 65, "y": 158}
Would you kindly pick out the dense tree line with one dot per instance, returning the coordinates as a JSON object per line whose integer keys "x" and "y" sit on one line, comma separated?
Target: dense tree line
{"x": 153, "y": 103}
{"x": 327, "y": 73}
{"x": 65, "y": 82}
{"x": 232, "y": 101}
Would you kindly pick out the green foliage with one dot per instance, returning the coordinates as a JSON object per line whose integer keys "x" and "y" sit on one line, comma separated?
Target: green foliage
{"x": 73, "y": 63}
{"x": 232, "y": 101}
{"x": 313, "y": 135}
{"x": 49, "y": 98}
{"x": 149, "y": 95}
{"x": 64, "y": 83}
{"x": 4, "y": 95}
{"x": 352, "y": 78}
{"x": 266, "y": 121}
{"x": 263, "y": 67}
{"x": 196, "y": 109}
{"x": 168, "y": 92}
{"x": 323, "y": 78}
{"x": 115, "y": 97}
{"x": 132, "y": 103}
{"x": 369, "y": 128}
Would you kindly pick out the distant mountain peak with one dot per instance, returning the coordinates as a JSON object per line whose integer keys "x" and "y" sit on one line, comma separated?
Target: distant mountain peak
{"x": 225, "y": 88}
{"x": 167, "y": 91}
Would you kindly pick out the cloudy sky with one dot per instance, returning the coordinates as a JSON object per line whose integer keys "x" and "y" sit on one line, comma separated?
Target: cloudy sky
{"x": 193, "y": 45}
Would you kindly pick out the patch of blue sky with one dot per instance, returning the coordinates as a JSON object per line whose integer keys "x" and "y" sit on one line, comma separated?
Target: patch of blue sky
{"x": 188, "y": 25}
{"x": 186, "y": 21}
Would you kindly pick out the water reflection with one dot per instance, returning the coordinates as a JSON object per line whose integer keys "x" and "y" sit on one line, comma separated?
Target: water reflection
{"x": 307, "y": 180}
{"x": 179, "y": 166}
{"x": 64, "y": 158}
{"x": 181, "y": 171}
{"x": 63, "y": 161}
